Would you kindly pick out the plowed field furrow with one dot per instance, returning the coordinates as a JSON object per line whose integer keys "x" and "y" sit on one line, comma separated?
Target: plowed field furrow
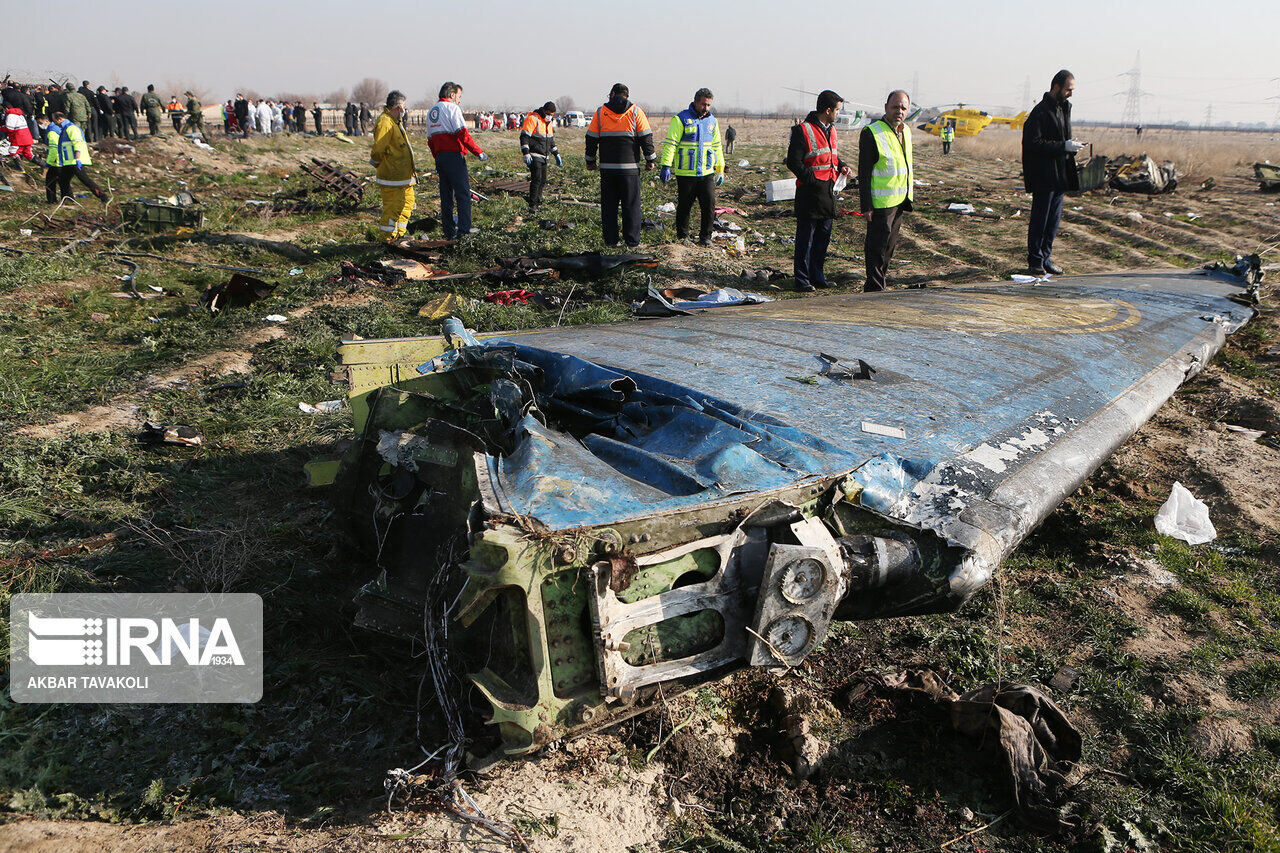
{"x": 1131, "y": 238}
{"x": 1121, "y": 255}
{"x": 936, "y": 234}
{"x": 1191, "y": 236}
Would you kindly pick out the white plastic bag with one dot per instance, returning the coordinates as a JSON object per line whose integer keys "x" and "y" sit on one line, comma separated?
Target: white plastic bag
{"x": 1185, "y": 517}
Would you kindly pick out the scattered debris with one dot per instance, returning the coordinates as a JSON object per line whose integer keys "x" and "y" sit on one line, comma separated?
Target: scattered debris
{"x": 1030, "y": 279}
{"x": 1141, "y": 174}
{"x": 444, "y": 306}
{"x": 784, "y": 190}
{"x": 162, "y": 214}
{"x": 1064, "y": 679}
{"x": 236, "y": 292}
{"x": 327, "y": 407}
{"x": 667, "y": 207}
{"x": 185, "y": 436}
{"x": 275, "y": 318}
{"x": 513, "y": 187}
{"x": 1184, "y": 516}
{"x": 510, "y": 297}
{"x": 1251, "y": 434}
{"x": 833, "y": 368}
{"x": 881, "y": 429}
{"x": 346, "y": 186}
{"x": 406, "y": 269}
{"x": 1268, "y": 177}
{"x": 1040, "y": 745}
{"x": 670, "y": 302}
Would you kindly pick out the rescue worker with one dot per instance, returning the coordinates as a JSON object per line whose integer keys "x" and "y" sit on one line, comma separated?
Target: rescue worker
{"x": 393, "y": 157}
{"x": 19, "y": 135}
{"x": 78, "y": 109}
{"x": 537, "y": 143}
{"x": 68, "y": 157}
{"x": 366, "y": 117}
{"x": 693, "y": 152}
{"x": 176, "y": 112}
{"x": 194, "y": 118}
{"x": 450, "y": 140}
{"x": 885, "y": 184}
{"x": 948, "y": 135}
{"x": 154, "y": 108}
{"x": 813, "y": 156}
{"x": 618, "y": 139}
{"x": 316, "y": 115}
{"x": 1048, "y": 169}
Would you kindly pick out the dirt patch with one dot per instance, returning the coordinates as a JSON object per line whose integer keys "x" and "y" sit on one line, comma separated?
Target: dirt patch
{"x": 563, "y": 803}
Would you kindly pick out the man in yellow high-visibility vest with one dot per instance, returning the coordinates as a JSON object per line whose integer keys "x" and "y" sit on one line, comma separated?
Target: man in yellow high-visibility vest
{"x": 885, "y": 181}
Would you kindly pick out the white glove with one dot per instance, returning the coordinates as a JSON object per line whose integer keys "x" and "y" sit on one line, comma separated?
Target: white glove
{"x": 528, "y": 159}
{"x": 483, "y": 156}
{"x": 1073, "y": 146}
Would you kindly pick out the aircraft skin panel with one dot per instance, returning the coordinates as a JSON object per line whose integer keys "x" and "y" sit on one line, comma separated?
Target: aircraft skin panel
{"x": 956, "y": 369}
{"x": 988, "y": 406}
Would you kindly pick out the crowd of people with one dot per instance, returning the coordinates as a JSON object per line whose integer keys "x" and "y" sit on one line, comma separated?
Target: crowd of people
{"x": 619, "y": 144}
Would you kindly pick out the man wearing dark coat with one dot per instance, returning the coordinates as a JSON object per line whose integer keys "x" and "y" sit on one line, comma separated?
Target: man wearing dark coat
{"x": 1049, "y": 169}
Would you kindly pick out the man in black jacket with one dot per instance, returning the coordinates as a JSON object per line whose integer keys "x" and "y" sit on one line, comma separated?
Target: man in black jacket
{"x": 128, "y": 114}
{"x": 106, "y": 111}
{"x": 93, "y": 127}
{"x": 240, "y": 108}
{"x": 814, "y": 158}
{"x": 1048, "y": 169}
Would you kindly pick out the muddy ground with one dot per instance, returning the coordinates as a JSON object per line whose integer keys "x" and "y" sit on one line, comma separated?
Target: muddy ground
{"x": 1174, "y": 647}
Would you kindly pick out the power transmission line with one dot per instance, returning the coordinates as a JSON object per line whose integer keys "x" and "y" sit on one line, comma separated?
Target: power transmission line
{"x": 1132, "y": 114}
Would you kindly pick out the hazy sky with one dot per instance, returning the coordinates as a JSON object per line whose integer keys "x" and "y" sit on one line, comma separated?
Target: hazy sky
{"x": 519, "y": 53}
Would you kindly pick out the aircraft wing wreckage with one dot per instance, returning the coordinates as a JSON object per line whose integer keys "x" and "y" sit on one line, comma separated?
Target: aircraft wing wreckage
{"x": 607, "y": 509}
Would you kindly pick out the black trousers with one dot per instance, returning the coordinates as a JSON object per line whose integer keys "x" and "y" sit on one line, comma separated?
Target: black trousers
{"x": 129, "y": 125}
{"x": 316, "y": 118}
{"x": 703, "y": 190}
{"x": 813, "y": 236}
{"x": 108, "y": 124}
{"x": 946, "y": 147}
{"x": 537, "y": 179}
{"x": 90, "y": 128}
{"x": 1042, "y": 227}
{"x": 620, "y": 188}
{"x": 177, "y": 122}
{"x": 882, "y": 239}
{"x": 57, "y": 182}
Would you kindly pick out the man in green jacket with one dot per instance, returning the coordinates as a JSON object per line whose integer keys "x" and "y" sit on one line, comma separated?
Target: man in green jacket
{"x": 195, "y": 118}
{"x": 78, "y": 109}
{"x": 154, "y": 108}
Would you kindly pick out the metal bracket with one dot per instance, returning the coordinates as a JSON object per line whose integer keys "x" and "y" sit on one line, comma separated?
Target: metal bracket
{"x": 612, "y": 620}
{"x": 801, "y": 588}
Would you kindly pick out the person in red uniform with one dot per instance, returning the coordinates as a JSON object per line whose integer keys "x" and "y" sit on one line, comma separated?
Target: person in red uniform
{"x": 449, "y": 140}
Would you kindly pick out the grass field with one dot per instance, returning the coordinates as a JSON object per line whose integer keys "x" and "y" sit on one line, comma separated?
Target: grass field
{"x": 1178, "y": 695}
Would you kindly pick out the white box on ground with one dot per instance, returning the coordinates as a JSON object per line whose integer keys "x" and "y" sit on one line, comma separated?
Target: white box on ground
{"x": 780, "y": 190}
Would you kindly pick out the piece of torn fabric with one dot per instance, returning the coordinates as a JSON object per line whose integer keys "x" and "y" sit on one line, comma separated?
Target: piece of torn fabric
{"x": 1040, "y": 745}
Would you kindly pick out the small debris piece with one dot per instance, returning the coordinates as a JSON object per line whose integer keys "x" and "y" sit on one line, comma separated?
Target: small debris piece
{"x": 1184, "y": 516}
{"x": 327, "y": 407}
{"x": 1064, "y": 679}
{"x": 238, "y": 291}
{"x": 1251, "y": 434}
{"x": 444, "y": 306}
{"x": 185, "y": 436}
{"x": 275, "y": 318}
{"x": 406, "y": 269}
{"x": 99, "y": 317}
{"x": 881, "y": 429}
{"x": 510, "y": 297}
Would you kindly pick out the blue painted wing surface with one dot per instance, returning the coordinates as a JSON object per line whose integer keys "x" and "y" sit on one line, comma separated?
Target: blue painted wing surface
{"x": 987, "y": 407}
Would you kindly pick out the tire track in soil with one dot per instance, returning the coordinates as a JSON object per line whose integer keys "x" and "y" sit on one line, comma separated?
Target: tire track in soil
{"x": 1130, "y": 238}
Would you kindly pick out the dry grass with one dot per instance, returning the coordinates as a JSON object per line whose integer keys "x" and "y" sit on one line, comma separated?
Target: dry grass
{"x": 1197, "y": 154}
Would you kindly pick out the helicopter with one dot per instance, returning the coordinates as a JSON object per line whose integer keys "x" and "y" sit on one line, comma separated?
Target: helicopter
{"x": 967, "y": 121}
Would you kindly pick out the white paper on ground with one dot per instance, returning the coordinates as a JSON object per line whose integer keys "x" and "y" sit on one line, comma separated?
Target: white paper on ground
{"x": 1185, "y": 517}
